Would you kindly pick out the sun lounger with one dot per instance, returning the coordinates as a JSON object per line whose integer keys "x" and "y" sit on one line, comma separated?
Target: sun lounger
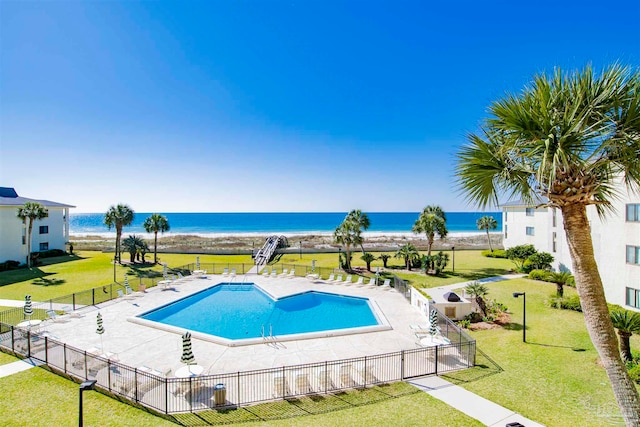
{"x": 339, "y": 278}
{"x": 284, "y": 272}
{"x": 71, "y": 313}
{"x": 274, "y": 273}
{"x": 347, "y": 281}
{"x": 123, "y": 296}
{"x": 325, "y": 380}
{"x": 129, "y": 291}
{"x": 346, "y": 378}
{"x": 265, "y": 272}
{"x": 331, "y": 278}
{"x": 368, "y": 376}
{"x": 225, "y": 272}
{"x": 372, "y": 282}
{"x": 52, "y": 315}
{"x": 303, "y": 386}
{"x": 386, "y": 284}
{"x": 233, "y": 272}
{"x": 291, "y": 274}
{"x": 360, "y": 281}
{"x": 280, "y": 387}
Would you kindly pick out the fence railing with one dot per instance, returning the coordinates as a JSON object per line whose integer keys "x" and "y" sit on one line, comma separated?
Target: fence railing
{"x": 175, "y": 395}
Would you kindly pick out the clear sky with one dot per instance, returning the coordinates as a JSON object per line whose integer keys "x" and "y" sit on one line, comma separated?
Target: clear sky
{"x": 234, "y": 106}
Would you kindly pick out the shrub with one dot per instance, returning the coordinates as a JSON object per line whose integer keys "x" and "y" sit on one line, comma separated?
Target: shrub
{"x": 539, "y": 275}
{"x": 566, "y": 303}
{"x": 519, "y": 254}
{"x": 9, "y": 265}
{"x": 634, "y": 373}
{"x": 50, "y": 253}
{"x": 465, "y": 323}
{"x": 540, "y": 261}
{"x": 497, "y": 253}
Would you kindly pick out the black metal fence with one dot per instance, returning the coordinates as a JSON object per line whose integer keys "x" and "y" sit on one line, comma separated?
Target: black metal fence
{"x": 177, "y": 395}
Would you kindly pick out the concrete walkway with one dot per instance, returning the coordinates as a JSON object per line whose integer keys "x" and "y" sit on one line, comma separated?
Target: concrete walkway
{"x": 487, "y": 412}
{"x": 19, "y": 366}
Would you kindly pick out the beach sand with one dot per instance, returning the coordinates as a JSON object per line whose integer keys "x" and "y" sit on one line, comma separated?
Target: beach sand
{"x": 311, "y": 242}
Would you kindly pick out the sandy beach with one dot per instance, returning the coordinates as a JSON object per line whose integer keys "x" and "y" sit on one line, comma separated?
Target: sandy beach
{"x": 316, "y": 242}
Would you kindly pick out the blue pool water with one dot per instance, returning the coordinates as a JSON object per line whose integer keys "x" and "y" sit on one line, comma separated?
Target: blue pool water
{"x": 240, "y": 311}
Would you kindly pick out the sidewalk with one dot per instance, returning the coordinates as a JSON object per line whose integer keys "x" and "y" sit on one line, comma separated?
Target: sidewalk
{"x": 487, "y": 412}
{"x": 19, "y": 366}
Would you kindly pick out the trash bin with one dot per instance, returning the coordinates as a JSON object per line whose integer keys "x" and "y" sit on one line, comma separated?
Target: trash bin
{"x": 220, "y": 394}
{"x": 142, "y": 287}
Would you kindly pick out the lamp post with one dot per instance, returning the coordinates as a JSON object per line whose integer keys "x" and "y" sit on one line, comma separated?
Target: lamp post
{"x": 300, "y": 248}
{"x": 87, "y": 385}
{"x": 114, "y": 268}
{"x": 524, "y": 313}
{"x": 453, "y": 259}
{"x": 339, "y": 257}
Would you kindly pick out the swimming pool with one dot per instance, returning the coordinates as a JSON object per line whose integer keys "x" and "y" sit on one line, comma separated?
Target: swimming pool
{"x": 244, "y": 314}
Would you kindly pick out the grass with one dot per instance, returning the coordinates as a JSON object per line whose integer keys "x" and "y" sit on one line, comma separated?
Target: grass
{"x": 85, "y": 270}
{"x": 555, "y": 377}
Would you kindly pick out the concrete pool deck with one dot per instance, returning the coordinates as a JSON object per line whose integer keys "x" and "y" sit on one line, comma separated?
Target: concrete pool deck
{"x": 137, "y": 345}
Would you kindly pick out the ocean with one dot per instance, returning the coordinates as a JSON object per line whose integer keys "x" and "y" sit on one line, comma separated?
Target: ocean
{"x": 206, "y": 223}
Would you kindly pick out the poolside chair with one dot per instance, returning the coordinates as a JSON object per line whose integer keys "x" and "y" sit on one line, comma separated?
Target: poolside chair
{"x": 303, "y": 386}
{"x": 339, "y": 278}
{"x": 372, "y": 282}
{"x": 274, "y": 273}
{"x": 233, "y": 272}
{"x": 280, "y": 387}
{"x": 123, "y": 296}
{"x": 347, "y": 281}
{"x": 346, "y": 378}
{"x": 291, "y": 274}
{"x": 265, "y": 272}
{"x": 71, "y": 313}
{"x": 360, "y": 281}
{"x": 386, "y": 285}
{"x": 52, "y": 315}
{"x": 325, "y": 380}
{"x": 368, "y": 376}
{"x": 129, "y": 291}
{"x": 225, "y": 272}
{"x": 331, "y": 278}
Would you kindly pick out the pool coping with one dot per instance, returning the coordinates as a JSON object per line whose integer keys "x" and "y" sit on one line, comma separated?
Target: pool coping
{"x": 383, "y": 323}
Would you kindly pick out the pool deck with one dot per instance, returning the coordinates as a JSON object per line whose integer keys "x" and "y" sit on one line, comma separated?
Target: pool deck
{"x": 137, "y": 345}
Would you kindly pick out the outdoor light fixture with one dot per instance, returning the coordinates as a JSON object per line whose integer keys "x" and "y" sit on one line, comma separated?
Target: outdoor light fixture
{"x": 87, "y": 385}
{"x": 300, "y": 248}
{"x": 453, "y": 259}
{"x": 524, "y": 313}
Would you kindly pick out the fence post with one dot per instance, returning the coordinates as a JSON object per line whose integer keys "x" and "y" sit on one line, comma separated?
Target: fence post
{"x": 73, "y": 300}
{"x": 93, "y": 296}
{"x": 28, "y": 343}
{"x": 46, "y": 350}
{"x": 13, "y": 340}
{"x": 401, "y": 365}
{"x": 284, "y": 383}
{"x": 166, "y": 395}
{"x": 365, "y": 370}
{"x": 64, "y": 356}
{"x": 436, "y": 347}
{"x": 239, "y": 401}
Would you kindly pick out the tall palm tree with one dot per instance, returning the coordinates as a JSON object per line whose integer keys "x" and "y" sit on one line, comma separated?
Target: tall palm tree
{"x": 368, "y": 258}
{"x": 563, "y": 142}
{"x": 154, "y": 224}
{"x": 361, "y": 220}
{"x": 431, "y": 221}
{"x": 347, "y": 234}
{"x": 118, "y": 216}
{"x": 31, "y": 211}
{"x": 487, "y": 223}
{"x": 385, "y": 259}
{"x": 409, "y": 253}
{"x": 627, "y": 324}
{"x": 134, "y": 244}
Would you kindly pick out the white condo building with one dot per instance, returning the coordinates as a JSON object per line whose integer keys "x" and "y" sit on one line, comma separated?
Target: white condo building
{"x": 49, "y": 233}
{"x": 616, "y": 242}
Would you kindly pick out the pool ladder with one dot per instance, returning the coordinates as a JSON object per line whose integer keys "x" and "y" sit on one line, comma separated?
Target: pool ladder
{"x": 270, "y": 337}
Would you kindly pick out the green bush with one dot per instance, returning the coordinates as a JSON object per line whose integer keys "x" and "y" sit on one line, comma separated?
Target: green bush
{"x": 566, "y": 303}
{"x": 49, "y": 254}
{"x": 634, "y": 373}
{"x": 497, "y": 253}
{"x": 9, "y": 265}
{"x": 539, "y": 275}
{"x": 465, "y": 323}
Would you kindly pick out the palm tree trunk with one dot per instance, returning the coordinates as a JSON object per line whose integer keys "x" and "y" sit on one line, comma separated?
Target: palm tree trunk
{"x": 625, "y": 348}
{"x": 559, "y": 290}
{"x": 347, "y": 259}
{"x": 489, "y": 239}
{"x": 118, "y": 235}
{"x": 596, "y": 312}
{"x": 29, "y": 231}
{"x": 429, "y": 244}
{"x": 155, "y": 247}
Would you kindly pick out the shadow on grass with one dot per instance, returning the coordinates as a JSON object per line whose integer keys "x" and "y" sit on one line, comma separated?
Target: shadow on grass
{"x": 21, "y": 275}
{"x": 43, "y": 281}
{"x": 485, "y": 366}
{"x": 576, "y": 349}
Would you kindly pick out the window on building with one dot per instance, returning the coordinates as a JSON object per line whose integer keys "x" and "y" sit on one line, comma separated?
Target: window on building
{"x": 633, "y": 255}
{"x": 44, "y": 246}
{"x": 24, "y": 236}
{"x": 531, "y": 231}
{"x": 555, "y": 241}
{"x": 530, "y": 211}
{"x": 633, "y": 298}
{"x": 506, "y": 214}
{"x": 44, "y": 229}
{"x": 633, "y": 212}
{"x": 505, "y": 231}
{"x": 450, "y": 312}
{"x": 553, "y": 217}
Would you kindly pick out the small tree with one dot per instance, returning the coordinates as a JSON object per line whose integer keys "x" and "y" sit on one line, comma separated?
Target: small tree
{"x": 32, "y": 211}
{"x": 479, "y": 291}
{"x": 440, "y": 261}
{"x": 368, "y": 258}
{"x": 154, "y": 224}
{"x": 432, "y": 222}
{"x": 626, "y": 324}
{"x": 560, "y": 279}
{"x": 408, "y": 252}
{"x": 487, "y": 223}
{"x": 519, "y": 254}
{"x": 539, "y": 261}
{"x": 385, "y": 259}
{"x": 133, "y": 244}
{"x": 361, "y": 221}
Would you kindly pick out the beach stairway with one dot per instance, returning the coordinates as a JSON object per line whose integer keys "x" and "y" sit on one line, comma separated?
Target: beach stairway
{"x": 268, "y": 250}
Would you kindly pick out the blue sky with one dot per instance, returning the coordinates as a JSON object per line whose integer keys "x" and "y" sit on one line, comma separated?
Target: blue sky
{"x": 234, "y": 106}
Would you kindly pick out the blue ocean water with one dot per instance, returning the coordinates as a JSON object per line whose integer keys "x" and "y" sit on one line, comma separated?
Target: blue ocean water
{"x": 277, "y": 222}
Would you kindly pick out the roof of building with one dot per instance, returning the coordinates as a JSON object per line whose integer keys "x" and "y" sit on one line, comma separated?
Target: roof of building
{"x": 522, "y": 203}
{"x": 9, "y": 197}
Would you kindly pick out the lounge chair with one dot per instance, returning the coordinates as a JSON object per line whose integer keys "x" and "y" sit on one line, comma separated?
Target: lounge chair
{"x": 71, "y": 313}
{"x": 303, "y": 386}
{"x": 339, "y": 278}
{"x": 129, "y": 291}
{"x": 280, "y": 387}
{"x": 291, "y": 274}
{"x": 225, "y": 272}
{"x": 386, "y": 285}
{"x": 325, "y": 380}
{"x": 284, "y": 272}
{"x": 331, "y": 278}
{"x": 265, "y": 272}
{"x": 372, "y": 282}
{"x": 123, "y": 296}
{"x": 52, "y": 315}
{"x": 360, "y": 281}
{"x": 346, "y": 378}
{"x": 233, "y": 272}
{"x": 347, "y": 281}
{"x": 368, "y": 376}
{"x": 274, "y": 273}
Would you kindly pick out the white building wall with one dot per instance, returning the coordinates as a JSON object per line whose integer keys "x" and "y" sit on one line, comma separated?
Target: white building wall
{"x": 610, "y": 237}
{"x": 12, "y": 229}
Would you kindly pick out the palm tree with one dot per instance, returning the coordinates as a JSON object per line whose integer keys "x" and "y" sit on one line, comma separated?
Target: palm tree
{"x": 560, "y": 279}
{"x": 627, "y": 323}
{"x": 409, "y": 253}
{"x": 361, "y": 220}
{"x": 32, "y": 211}
{"x": 118, "y": 217}
{"x": 153, "y": 224}
{"x": 134, "y": 244}
{"x": 432, "y": 221}
{"x": 347, "y": 234}
{"x": 385, "y": 259}
{"x": 564, "y": 142}
{"x": 478, "y": 291}
{"x": 487, "y": 222}
{"x": 368, "y": 258}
